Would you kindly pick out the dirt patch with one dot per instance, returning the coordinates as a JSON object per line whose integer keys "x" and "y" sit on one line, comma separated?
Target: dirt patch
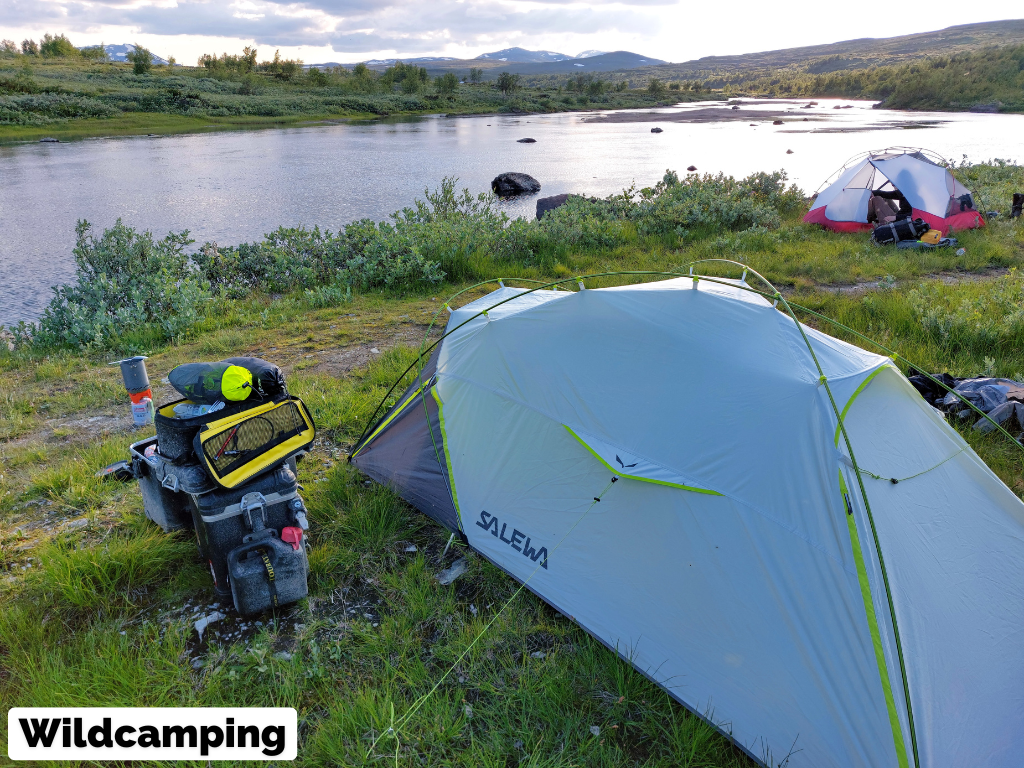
{"x": 340, "y": 361}
{"x": 948, "y": 278}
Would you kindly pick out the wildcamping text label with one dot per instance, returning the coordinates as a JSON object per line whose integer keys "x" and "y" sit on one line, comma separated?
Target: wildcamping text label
{"x": 518, "y": 540}
{"x": 121, "y": 733}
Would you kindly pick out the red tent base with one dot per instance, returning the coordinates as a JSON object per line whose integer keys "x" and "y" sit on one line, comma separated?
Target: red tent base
{"x": 964, "y": 220}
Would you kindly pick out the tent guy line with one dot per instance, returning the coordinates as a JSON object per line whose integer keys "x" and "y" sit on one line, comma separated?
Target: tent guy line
{"x": 395, "y": 727}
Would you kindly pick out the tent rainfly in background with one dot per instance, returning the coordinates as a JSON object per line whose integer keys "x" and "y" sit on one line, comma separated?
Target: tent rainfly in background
{"x": 921, "y": 176}
{"x": 735, "y": 560}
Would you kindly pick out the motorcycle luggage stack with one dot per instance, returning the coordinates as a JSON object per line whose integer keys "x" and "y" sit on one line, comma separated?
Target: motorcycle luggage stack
{"x": 230, "y": 475}
{"x": 251, "y": 522}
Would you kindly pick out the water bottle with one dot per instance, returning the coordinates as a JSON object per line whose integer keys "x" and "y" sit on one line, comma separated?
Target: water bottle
{"x": 142, "y": 412}
{"x": 191, "y": 410}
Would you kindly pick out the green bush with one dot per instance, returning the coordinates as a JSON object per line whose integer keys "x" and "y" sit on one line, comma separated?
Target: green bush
{"x": 45, "y": 108}
{"x": 124, "y": 282}
{"x": 128, "y": 283}
{"x": 58, "y": 47}
{"x": 141, "y": 59}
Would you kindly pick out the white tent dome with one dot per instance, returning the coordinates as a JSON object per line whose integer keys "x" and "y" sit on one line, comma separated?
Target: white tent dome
{"x": 921, "y": 176}
{"x": 662, "y": 463}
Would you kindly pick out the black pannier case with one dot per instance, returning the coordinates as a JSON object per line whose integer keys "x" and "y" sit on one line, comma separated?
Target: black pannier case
{"x": 897, "y": 231}
{"x": 253, "y": 541}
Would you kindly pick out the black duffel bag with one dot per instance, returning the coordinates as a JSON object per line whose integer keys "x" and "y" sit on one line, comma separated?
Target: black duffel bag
{"x": 904, "y": 229}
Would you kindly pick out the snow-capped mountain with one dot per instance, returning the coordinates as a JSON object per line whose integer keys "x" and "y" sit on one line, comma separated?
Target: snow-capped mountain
{"x": 521, "y": 55}
{"x": 120, "y": 52}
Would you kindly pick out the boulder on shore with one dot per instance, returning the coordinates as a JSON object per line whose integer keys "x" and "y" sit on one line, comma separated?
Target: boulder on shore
{"x": 526, "y": 141}
{"x": 655, "y": 130}
{"x": 990, "y": 108}
{"x": 776, "y": 122}
{"x": 512, "y": 184}
{"x": 546, "y": 204}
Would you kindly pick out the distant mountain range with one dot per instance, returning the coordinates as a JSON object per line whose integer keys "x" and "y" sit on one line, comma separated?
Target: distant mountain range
{"x": 522, "y": 61}
{"x": 120, "y": 52}
{"x": 521, "y": 55}
{"x": 851, "y": 54}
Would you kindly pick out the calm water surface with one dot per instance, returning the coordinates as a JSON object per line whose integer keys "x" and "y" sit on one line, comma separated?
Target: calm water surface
{"x": 234, "y": 187}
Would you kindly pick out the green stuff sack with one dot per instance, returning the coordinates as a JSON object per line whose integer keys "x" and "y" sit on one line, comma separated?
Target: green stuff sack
{"x": 267, "y": 378}
{"x": 210, "y": 382}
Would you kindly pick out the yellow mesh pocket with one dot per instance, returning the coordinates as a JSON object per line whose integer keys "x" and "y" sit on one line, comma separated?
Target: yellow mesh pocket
{"x": 238, "y": 447}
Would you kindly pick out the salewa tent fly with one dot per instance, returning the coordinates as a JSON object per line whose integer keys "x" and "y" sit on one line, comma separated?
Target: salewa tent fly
{"x": 919, "y": 176}
{"x": 733, "y": 556}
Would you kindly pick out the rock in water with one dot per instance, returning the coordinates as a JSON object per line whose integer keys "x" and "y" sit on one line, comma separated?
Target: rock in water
{"x": 789, "y": 151}
{"x": 526, "y": 141}
{"x": 655, "y": 130}
{"x": 511, "y": 184}
{"x": 776, "y": 122}
{"x": 692, "y": 168}
{"x": 546, "y": 204}
{"x": 990, "y": 108}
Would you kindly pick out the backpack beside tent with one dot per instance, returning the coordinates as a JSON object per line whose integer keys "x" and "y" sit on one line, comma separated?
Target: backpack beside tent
{"x": 662, "y": 463}
{"x": 922, "y": 178}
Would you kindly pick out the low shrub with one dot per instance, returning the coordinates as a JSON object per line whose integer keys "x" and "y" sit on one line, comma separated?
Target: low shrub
{"x": 123, "y": 281}
{"x": 44, "y": 108}
{"x": 128, "y": 283}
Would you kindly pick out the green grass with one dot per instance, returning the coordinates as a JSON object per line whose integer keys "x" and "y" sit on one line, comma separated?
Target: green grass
{"x": 378, "y": 632}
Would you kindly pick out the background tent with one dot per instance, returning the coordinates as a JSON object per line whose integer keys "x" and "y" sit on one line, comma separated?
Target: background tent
{"x": 733, "y": 561}
{"x": 922, "y": 178}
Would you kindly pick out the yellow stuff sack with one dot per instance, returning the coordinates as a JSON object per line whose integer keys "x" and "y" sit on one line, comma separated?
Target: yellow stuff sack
{"x": 932, "y": 237}
{"x": 239, "y": 447}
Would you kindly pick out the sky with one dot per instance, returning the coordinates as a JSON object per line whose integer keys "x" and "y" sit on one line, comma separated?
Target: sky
{"x": 357, "y": 30}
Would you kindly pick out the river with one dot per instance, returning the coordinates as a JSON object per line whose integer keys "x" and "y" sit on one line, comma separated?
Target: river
{"x": 230, "y": 187}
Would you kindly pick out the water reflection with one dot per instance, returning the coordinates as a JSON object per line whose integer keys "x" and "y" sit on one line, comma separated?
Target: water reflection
{"x": 235, "y": 186}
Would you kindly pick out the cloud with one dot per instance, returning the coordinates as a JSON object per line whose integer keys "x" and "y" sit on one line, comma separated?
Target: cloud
{"x": 348, "y": 26}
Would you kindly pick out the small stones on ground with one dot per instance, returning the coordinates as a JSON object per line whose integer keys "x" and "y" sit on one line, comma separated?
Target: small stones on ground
{"x": 473, "y": 610}
{"x": 197, "y": 664}
{"x": 595, "y": 730}
{"x": 374, "y": 350}
{"x": 202, "y": 623}
{"x": 79, "y": 523}
{"x": 411, "y": 548}
{"x": 538, "y": 655}
{"x": 468, "y": 710}
{"x": 449, "y": 575}
{"x": 517, "y": 744}
{"x": 283, "y": 656}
